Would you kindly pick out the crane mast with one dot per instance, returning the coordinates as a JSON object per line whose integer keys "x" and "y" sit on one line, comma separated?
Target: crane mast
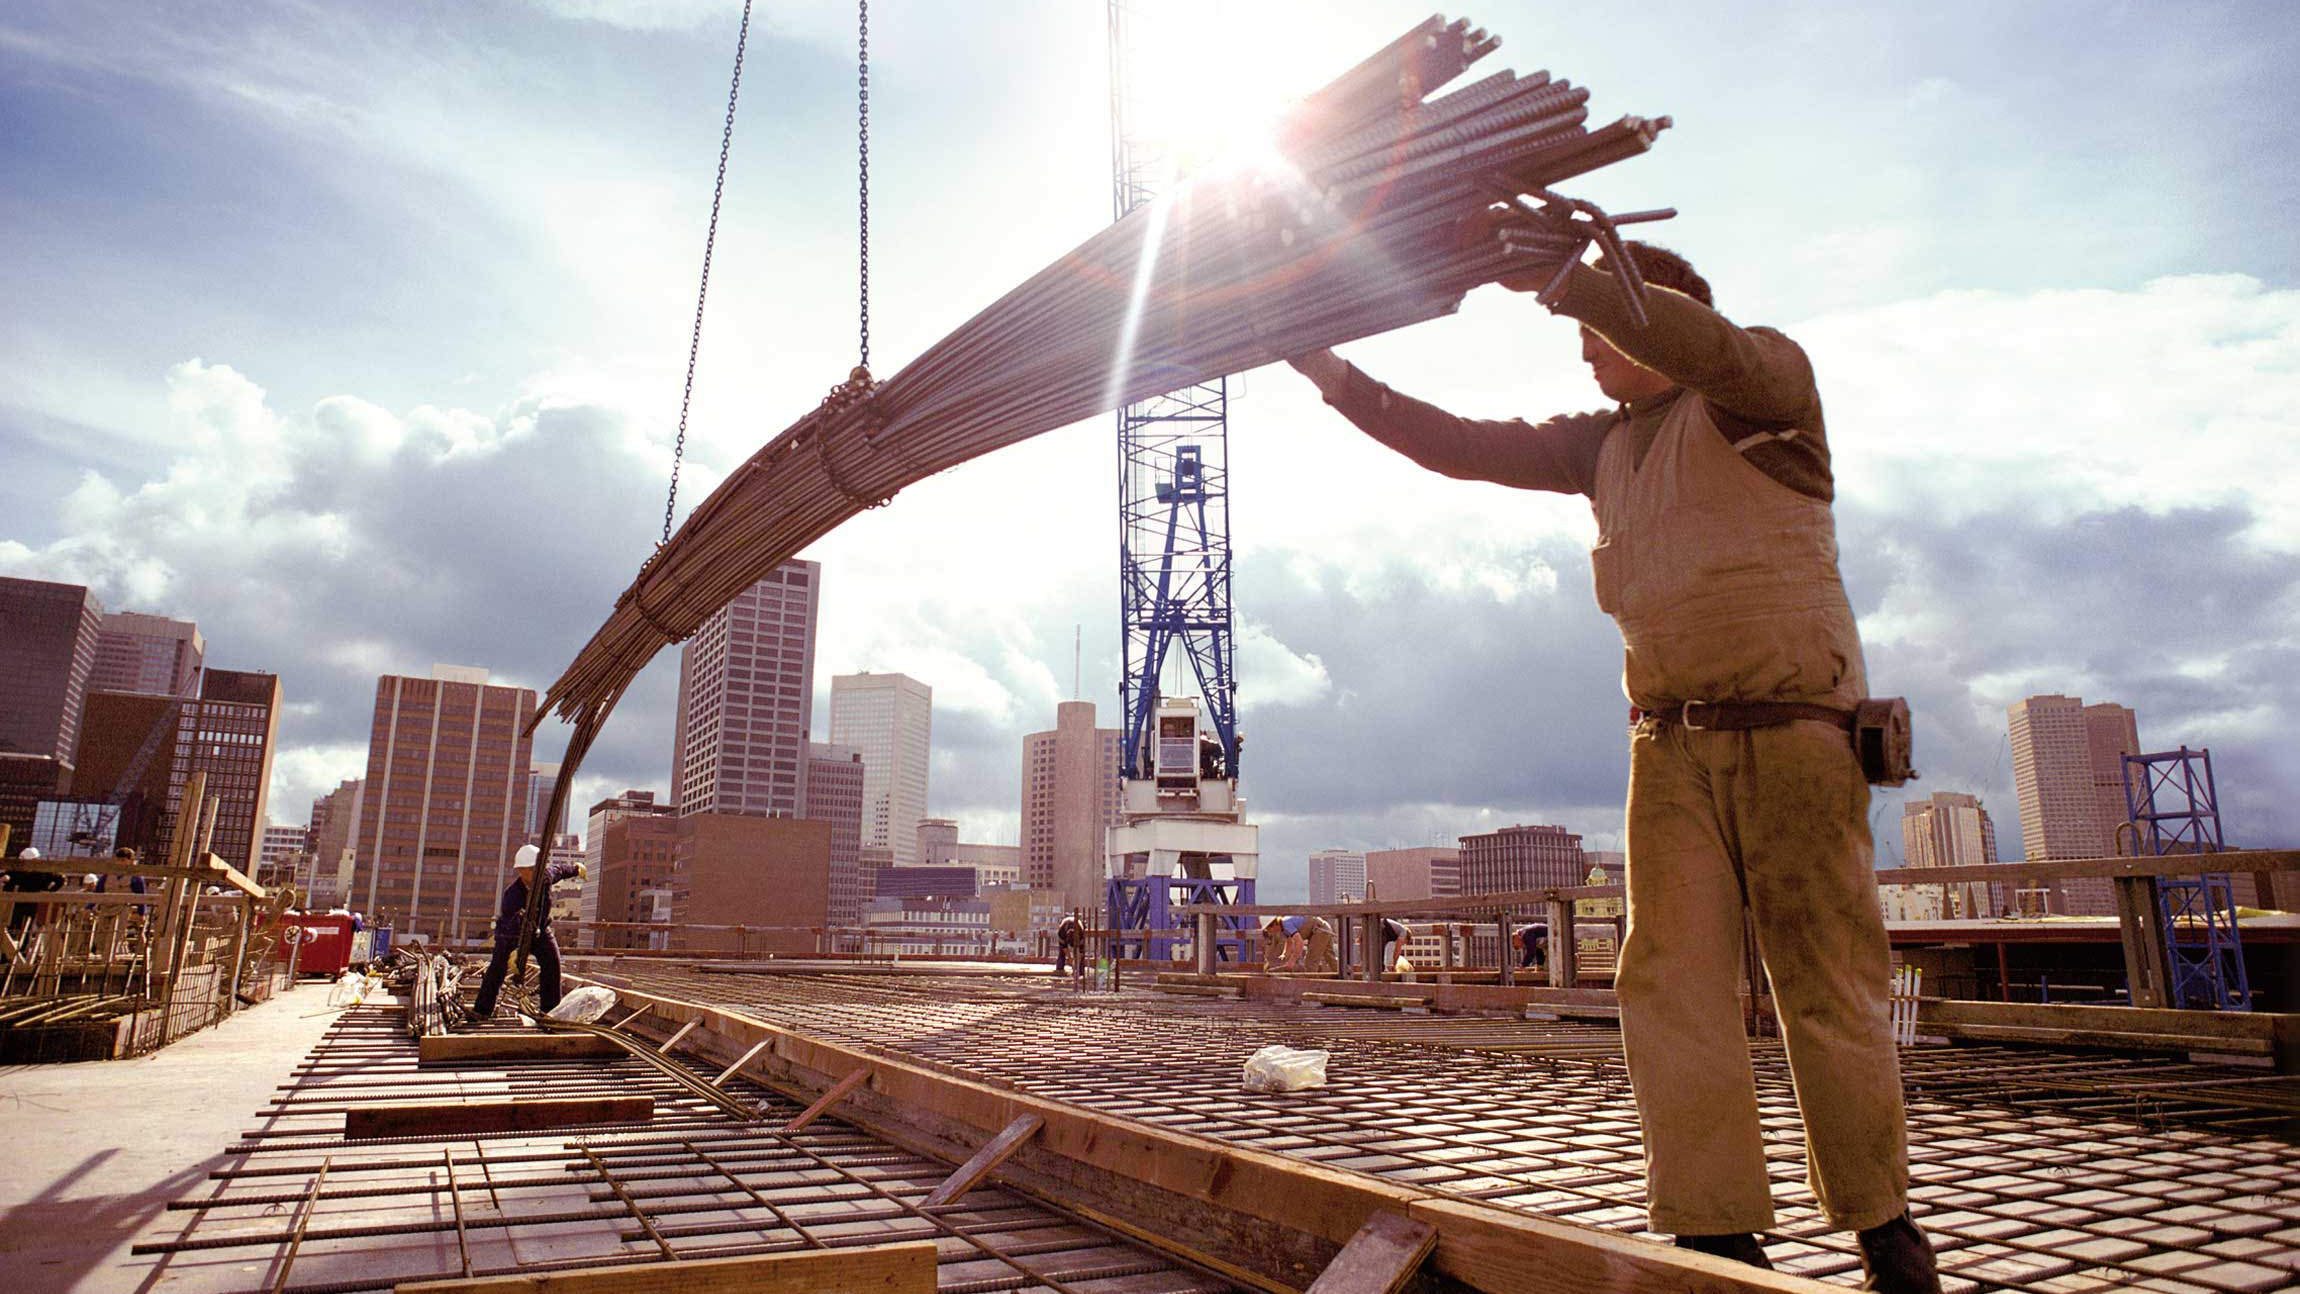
{"x": 1183, "y": 838}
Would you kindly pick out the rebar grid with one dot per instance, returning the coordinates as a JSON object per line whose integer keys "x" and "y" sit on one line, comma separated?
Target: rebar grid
{"x": 303, "y": 1211}
{"x": 2033, "y": 1169}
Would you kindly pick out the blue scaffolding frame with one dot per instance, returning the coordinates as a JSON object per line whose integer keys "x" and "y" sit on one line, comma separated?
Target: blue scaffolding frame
{"x": 2174, "y": 807}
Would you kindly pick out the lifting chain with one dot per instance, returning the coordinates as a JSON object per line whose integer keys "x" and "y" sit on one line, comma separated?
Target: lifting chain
{"x": 695, "y": 342}
{"x": 861, "y": 373}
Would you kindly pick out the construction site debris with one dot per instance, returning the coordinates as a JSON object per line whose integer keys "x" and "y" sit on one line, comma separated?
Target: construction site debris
{"x": 585, "y": 1005}
{"x": 1278, "y": 1068}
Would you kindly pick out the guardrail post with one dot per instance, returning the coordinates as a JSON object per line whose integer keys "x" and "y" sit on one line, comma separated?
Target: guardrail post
{"x": 1205, "y": 943}
{"x": 1564, "y": 949}
{"x": 2147, "y": 962}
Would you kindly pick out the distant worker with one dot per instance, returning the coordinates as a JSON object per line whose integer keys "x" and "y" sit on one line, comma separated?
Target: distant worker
{"x": 24, "y": 880}
{"x": 124, "y": 854}
{"x": 1299, "y": 943}
{"x": 1069, "y": 944}
{"x": 1389, "y": 932}
{"x": 509, "y": 914}
{"x": 1716, "y": 555}
{"x": 1533, "y": 947}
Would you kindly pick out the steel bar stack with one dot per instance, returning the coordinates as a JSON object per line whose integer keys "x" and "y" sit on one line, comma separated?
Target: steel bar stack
{"x": 1368, "y": 216}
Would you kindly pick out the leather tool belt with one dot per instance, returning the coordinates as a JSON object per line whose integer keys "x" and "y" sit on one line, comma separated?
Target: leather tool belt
{"x": 1879, "y": 727}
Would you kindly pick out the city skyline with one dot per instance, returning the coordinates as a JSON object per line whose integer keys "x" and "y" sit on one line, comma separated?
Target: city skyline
{"x": 455, "y": 445}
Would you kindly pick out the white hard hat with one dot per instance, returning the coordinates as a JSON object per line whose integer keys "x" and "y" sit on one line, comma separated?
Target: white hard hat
{"x": 526, "y": 856}
{"x": 30, "y": 854}
{"x": 89, "y": 880}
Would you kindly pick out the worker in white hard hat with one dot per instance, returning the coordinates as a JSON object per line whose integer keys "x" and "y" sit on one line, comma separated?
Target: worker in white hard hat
{"x": 26, "y": 881}
{"x": 509, "y": 915}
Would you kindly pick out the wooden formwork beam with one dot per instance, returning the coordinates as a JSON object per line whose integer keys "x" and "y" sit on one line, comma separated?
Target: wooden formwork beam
{"x": 460, "y": 1117}
{"x": 451, "y": 1048}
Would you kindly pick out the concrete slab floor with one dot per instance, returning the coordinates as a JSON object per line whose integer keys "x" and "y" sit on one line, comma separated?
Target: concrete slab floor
{"x": 94, "y": 1151}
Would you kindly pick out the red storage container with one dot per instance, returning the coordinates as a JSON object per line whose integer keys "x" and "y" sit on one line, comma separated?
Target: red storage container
{"x": 326, "y": 941}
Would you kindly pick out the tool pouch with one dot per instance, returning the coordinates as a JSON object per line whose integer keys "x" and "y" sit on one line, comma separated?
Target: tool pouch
{"x": 1882, "y": 739}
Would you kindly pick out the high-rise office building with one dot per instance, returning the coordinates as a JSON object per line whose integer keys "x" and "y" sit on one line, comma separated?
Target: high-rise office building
{"x": 542, "y": 781}
{"x": 445, "y": 801}
{"x": 48, "y": 639}
{"x": 769, "y": 874}
{"x": 116, "y": 730}
{"x": 1521, "y": 857}
{"x": 1070, "y": 800}
{"x": 1337, "y": 876}
{"x": 1946, "y": 829}
{"x": 140, "y": 653}
{"x": 1421, "y": 872}
{"x": 229, "y": 733}
{"x": 281, "y": 856}
{"x": 835, "y": 796}
{"x": 334, "y": 825}
{"x": 2068, "y": 770}
{"x": 746, "y": 700}
{"x": 635, "y": 856}
{"x": 613, "y": 809}
{"x": 890, "y": 719}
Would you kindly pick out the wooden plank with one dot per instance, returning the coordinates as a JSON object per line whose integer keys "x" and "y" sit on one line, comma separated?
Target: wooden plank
{"x": 993, "y": 1153}
{"x": 1517, "y": 1253}
{"x": 458, "y": 1118}
{"x": 1380, "y": 1258}
{"x": 827, "y": 1099}
{"x": 2147, "y": 964}
{"x": 2086, "y": 1017}
{"x": 449, "y": 1048}
{"x": 906, "y": 1268}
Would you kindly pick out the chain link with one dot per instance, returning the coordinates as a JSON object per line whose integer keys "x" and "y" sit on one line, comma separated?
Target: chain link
{"x": 710, "y": 239}
{"x": 862, "y": 161}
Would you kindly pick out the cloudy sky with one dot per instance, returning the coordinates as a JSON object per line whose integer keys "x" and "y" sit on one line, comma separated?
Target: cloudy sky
{"x": 355, "y": 332}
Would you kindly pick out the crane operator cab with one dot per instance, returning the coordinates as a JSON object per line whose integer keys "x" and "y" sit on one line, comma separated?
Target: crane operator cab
{"x": 1186, "y": 819}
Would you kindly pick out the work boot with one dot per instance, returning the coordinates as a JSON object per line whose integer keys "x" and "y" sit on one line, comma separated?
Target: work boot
{"x": 1898, "y": 1259}
{"x": 1740, "y": 1246}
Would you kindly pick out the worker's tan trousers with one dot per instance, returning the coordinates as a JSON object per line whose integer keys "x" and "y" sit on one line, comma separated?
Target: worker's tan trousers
{"x": 1777, "y": 818}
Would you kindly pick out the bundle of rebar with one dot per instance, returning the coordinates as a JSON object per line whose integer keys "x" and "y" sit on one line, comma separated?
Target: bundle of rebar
{"x": 1370, "y": 214}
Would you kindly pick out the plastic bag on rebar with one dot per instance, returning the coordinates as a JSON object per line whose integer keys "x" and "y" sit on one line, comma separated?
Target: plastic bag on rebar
{"x": 352, "y": 989}
{"x": 1285, "y": 1069}
{"x": 584, "y": 1005}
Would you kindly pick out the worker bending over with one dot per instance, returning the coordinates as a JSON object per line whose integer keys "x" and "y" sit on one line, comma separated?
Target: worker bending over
{"x": 1533, "y": 947}
{"x": 1069, "y": 943}
{"x": 1716, "y": 556}
{"x": 1389, "y": 932}
{"x": 1299, "y": 943}
{"x": 509, "y": 914}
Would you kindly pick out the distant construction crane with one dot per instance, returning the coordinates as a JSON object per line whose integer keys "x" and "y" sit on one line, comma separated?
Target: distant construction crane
{"x": 1184, "y": 839}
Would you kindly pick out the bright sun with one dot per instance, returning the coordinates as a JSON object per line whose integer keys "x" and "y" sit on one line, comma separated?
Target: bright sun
{"x": 1208, "y": 82}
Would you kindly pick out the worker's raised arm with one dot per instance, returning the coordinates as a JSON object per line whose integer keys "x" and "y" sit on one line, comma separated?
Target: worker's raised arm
{"x": 1559, "y": 454}
{"x": 1754, "y": 372}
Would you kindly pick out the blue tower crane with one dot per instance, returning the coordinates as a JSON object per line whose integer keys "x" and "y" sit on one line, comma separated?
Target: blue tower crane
{"x": 1173, "y": 606}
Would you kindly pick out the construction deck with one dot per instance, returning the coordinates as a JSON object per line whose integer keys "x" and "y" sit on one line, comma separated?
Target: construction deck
{"x": 2035, "y": 1169}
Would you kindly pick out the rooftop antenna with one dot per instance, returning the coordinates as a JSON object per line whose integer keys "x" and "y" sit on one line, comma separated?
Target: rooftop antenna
{"x": 1077, "y": 650}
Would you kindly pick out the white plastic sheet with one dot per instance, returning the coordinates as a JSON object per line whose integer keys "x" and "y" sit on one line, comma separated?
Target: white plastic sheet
{"x": 585, "y": 1005}
{"x": 1285, "y": 1069}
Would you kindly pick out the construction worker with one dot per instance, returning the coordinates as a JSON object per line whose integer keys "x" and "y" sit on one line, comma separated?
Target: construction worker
{"x": 1389, "y": 931}
{"x": 1069, "y": 943}
{"x": 23, "y": 880}
{"x": 1717, "y": 558}
{"x": 1533, "y": 946}
{"x": 1299, "y": 943}
{"x": 510, "y": 913}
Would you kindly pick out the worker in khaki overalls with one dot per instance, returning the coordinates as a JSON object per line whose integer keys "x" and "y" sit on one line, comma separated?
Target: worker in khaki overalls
{"x": 1717, "y": 557}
